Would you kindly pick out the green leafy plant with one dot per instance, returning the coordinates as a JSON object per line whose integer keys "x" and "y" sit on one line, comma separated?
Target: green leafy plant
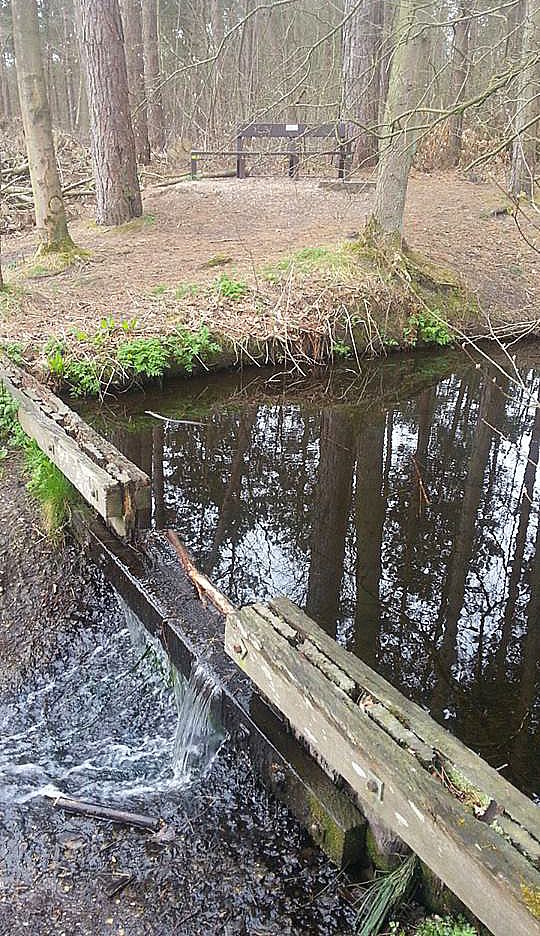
{"x": 158, "y": 290}
{"x": 54, "y": 354}
{"x": 427, "y": 328}
{"x": 145, "y": 357}
{"x": 186, "y": 347}
{"x": 13, "y": 350}
{"x": 231, "y": 288}
{"x": 11, "y": 432}
{"x": 445, "y": 926}
{"x": 340, "y": 348}
{"x": 83, "y": 377}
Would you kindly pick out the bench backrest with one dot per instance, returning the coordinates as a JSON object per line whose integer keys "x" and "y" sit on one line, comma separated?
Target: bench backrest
{"x": 293, "y": 131}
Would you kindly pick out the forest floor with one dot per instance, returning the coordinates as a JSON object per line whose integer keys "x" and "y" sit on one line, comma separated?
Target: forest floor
{"x": 163, "y": 271}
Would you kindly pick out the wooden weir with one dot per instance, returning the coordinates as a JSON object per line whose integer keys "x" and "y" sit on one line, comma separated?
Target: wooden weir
{"x": 118, "y": 490}
{"x": 382, "y": 753}
{"x": 391, "y": 756}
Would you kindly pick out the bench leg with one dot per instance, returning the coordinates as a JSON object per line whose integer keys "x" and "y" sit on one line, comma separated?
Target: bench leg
{"x": 193, "y": 167}
{"x": 294, "y": 162}
{"x": 241, "y": 167}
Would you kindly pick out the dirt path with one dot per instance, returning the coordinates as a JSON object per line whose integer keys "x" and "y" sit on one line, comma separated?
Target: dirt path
{"x": 251, "y": 223}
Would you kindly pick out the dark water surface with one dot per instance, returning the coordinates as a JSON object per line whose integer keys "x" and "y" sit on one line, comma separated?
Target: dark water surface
{"x": 399, "y": 507}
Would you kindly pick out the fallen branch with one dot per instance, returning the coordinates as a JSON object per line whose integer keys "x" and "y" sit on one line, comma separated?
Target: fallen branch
{"x": 202, "y": 584}
{"x": 96, "y": 811}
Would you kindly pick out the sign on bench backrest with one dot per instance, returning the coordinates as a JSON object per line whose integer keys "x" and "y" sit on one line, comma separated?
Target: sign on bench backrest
{"x": 292, "y": 131}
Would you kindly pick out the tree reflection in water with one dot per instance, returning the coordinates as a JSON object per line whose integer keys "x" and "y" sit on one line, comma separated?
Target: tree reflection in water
{"x": 400, "y": 509}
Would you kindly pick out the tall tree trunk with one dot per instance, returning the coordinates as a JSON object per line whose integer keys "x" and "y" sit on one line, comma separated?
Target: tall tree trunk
{"x": 5, "y": 97}
{"x": 51, "y": 221}
{"x": 131, "y": 19}
{"x": 407, "y": 86}
{"x": 458, "y": 80}
{"x": 361, "y": 46}
{"x": 524, "y": 153}
{"x": 490, "y": 414}
{"x": 152, "y": 74}
{"x": 370, "y": 516}
{"x": 330, "y": 519}
{"x": 118, "y": 195}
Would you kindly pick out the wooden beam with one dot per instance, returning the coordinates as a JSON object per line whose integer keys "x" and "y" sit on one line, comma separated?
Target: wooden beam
{"x": 387, "y": 776}
{"x": 116, "y": 488}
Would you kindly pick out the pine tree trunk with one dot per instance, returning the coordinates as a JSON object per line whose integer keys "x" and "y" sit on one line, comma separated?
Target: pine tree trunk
{"x": 407, "y": 85}
{"x": 131, "y": 19}
{"x": 524, "y": 153}
{"x": 5, "y": 97}
{"x": 460, "y": 59}
{"x": 152, "y": 75}
{"x": 51, "y": 221}
{"x": 118, "y": 194}
{"x": 361, "y": 44}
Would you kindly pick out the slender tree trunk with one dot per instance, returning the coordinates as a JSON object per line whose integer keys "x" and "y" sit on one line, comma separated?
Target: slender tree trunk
{"x": 491, "y": 413}
{"x": 118, "y": 195}
{"x": 152, "y": 74}
{"x": 5, "y": 97}
{"x": 51, "y": 221}
{"x": 361, "y": 46}
{"x": 131, "y": 19}
{"x": 460, "y": 69}
{"x": 524, "y": 153}
{"x": 330, "y": 519}
{"x": 370, "y": 516}
{"x": 407, "y": 86}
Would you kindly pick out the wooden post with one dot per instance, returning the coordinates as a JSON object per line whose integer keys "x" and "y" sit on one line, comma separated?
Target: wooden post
{"x": 193, "y": 166}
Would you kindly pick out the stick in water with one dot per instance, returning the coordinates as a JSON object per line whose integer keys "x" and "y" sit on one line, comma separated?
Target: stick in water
{"x": 96, "y": 811}
{"x": 202, "y": 584}
{"x": 174, "y": 422}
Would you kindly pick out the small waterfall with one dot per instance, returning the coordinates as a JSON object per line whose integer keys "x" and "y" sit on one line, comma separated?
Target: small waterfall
{"x": 197, "y": 738}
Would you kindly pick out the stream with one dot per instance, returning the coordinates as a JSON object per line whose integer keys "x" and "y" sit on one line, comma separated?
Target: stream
{"x": 398, "y": 506}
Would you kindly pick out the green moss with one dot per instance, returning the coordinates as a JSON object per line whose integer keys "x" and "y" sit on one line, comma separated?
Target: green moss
{"x": 326, "y": 833}
{"x": 469, "y": 795}
{"x": 218, "y": 260}
{"x": 381, "y": 860}
{"x": 49, "y": 261}
{"x": 531, "y": 897}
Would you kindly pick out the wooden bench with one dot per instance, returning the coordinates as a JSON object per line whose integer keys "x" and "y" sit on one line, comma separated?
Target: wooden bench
{"x": 296, "y": 135}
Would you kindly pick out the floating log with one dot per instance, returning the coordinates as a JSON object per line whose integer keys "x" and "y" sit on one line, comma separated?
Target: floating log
{"x": 389, "y": 753}
{"x": 106, "y": 813}
{"x": 118, "y": 490}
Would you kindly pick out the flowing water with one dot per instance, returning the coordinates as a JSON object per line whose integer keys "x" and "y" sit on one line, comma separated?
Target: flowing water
{"x": 398, "y": 506}
{"x": 110, "y": 721}
{"x": 90, "y": 708}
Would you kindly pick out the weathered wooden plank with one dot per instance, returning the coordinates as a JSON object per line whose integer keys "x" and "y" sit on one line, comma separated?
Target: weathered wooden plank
{"x": 392, "y": 788}
{"x": 474, "y": 768}
{"x": 116, "y": 488}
